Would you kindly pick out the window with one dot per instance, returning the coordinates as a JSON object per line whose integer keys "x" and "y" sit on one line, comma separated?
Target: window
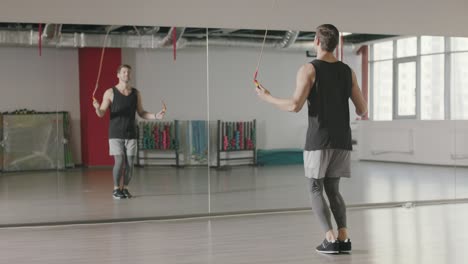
{"x": 432, "y": 45}
{"x": 406, "y": 89}
{"x": 459, "y": 44}
{"x": 382, "y": 86}
{"x": 407, "y": 47}
{"x": 432, "y": 87}
{"x": 383, "y": 50}
{"x": 427, "y": 82}
{"x": 459, "y": 86}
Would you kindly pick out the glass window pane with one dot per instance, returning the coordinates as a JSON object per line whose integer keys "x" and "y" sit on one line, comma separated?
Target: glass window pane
{"x": 382, "y": 90}
{"x": 407, "y": 47}
{"x": 459, "y": 86}
{"x": 431, "y": 44}
{"x": 407, "y": 89}
{"x": 432, "y": 87}
{"x": 459, "y": 44}
{"x": 383, "y": 50}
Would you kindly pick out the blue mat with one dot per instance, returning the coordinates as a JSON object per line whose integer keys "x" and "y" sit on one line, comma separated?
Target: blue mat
{"x": 268, "y": 157}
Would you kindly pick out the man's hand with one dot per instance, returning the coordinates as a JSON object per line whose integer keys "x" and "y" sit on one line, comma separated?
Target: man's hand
{"x": 162, "y": 113}
{"x": 164, "y": 108}
{"x": 261, "y": 91}
{"x": 96, "y": 104}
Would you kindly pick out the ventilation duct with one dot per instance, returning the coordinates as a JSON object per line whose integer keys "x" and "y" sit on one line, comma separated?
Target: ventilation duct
{"x": 148, "y": 41}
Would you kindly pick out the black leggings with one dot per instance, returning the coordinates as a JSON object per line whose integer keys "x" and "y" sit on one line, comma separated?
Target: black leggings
{"x": 123, "y": 166}
{"x": 319, "y": 205}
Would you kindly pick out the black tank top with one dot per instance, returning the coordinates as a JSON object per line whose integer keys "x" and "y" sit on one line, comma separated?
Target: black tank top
{"x": 328, "y": 104}
{"x": 122, "y": 115}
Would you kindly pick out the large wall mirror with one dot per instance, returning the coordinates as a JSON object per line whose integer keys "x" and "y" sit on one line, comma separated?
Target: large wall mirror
{"x": 407, "y": 150}
{"x": 55, "y": 151}
{"x": 219, "y": 148}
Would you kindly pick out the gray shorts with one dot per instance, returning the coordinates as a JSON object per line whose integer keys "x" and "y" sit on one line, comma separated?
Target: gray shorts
{"x": 119, "y": 146}
{"x": 323, "y": 163}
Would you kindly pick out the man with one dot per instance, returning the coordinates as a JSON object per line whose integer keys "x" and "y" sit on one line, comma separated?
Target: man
{"x": 124, "y": 101}
{"x": 326, "y": 84}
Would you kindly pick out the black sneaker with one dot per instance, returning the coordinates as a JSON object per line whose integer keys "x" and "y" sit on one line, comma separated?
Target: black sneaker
{"x": 345, "y": 246}
{"x": 329, "y": 247}
{"x": 117, "y": 194}
{"x": 126, "y": 193}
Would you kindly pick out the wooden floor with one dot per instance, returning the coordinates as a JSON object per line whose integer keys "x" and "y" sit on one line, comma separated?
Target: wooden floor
{"x": 85, "y": 194}
{"x": 421, "y": 235}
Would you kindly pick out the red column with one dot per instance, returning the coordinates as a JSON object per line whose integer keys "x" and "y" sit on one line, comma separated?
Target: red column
{"x": 364, "y": 51}
{"x": 94, "y": 130}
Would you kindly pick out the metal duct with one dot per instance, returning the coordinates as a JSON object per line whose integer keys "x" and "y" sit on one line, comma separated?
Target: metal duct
{"x": 112, "y": 28}
{"x": 168, "y": 39}
{"x": 150, "y": 30}
{"x": 232, "y": 42}
{"x": 81, "y": 40}
{"x": 52, "y": 31}
{"x": 289, "y": 39}
{"x": 229, "y": 42}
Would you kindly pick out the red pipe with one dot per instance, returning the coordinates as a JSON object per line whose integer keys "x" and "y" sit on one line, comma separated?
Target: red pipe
{"x": 364, "y": 52}
{"x": 40, "y": 39}
{"x": 174, "y": 42}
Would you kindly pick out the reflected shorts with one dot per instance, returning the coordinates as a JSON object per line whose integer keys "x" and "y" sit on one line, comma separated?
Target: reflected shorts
{"x": 118, "y": 146}
{"x": 323, "y": 163}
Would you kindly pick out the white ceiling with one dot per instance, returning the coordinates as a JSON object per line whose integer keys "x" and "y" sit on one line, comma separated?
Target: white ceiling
{"x": 402, "y": 17}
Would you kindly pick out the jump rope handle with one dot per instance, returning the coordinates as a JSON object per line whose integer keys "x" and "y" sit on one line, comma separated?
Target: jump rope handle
{"x": 255, "y": 79}
{"x": 164, "y": 106}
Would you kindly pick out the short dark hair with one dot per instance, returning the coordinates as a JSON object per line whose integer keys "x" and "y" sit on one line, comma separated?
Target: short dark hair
{"x": 123, "y": 66}
{"x": 328, "y": 35}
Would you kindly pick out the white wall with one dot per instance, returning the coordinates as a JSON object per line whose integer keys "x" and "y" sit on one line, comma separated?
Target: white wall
{"x": 181, "y": 83}
{"x": 232, "y": 94}
{"x": 43, "y": 83}
{"x": 414, "y": 141}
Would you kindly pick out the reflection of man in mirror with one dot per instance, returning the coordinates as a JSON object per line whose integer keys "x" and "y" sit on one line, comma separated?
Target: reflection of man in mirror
{"x": 124, "y": 102}
{"x": 327, "y": 85}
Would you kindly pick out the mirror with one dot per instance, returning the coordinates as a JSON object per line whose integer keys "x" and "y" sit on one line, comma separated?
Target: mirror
{"x": 62, "y": 171}
{"x": 56, "y": 167}
{"x": 458, "y": 58}
{"x": 395, "y": 159}
{"x": 33, "y": 126}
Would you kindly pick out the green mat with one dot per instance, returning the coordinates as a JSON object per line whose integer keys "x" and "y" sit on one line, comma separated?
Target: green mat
{"x": 279, "y": 157}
